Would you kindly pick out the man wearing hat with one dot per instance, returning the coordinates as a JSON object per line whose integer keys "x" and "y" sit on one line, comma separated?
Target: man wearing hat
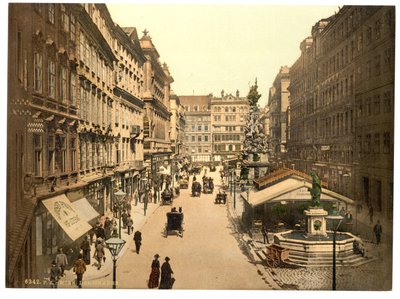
{"x": 155, "y": 273}
{"x": 166, "y": 275}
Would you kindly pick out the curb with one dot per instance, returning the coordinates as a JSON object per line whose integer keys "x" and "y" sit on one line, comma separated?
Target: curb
{"x": 107, "y": 269}
{"x": 245, "y": 243}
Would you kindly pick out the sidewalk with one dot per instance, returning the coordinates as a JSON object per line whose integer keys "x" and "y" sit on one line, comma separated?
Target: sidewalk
{"x": 92, "y": 273}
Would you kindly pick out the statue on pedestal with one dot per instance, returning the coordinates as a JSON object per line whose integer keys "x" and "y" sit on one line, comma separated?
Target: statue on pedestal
{"x": 315, "y": 191}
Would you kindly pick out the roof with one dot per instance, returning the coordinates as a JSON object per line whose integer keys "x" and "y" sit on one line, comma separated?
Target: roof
{"x": 290, "y": 189}
{"x": 195, "y": 100}
{"x": 281, "y": 174}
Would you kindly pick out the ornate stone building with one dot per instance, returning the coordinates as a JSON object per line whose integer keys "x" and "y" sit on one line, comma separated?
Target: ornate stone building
{"x": 197, "y": 145}
{"x": 156, "y": 96}
{"x": 341, "y": 104}
{"x": 75, "y": 125}
{"x": 177, "y": 125}
{"x": 278, "y": 102}
{"x": 43, "y": 121}
{"x": 228, "y": 119}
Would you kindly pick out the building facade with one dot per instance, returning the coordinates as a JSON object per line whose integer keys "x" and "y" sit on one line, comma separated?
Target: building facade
{"x": 177, "y": 125}
{"x": 341, "y": 104}
{"x": 156, "y": 96}
{"x": 278, "y": 102}
{"x": 76, "y": 120}
{"x": 197, "y": 145}
{"x": 228, "y": 119}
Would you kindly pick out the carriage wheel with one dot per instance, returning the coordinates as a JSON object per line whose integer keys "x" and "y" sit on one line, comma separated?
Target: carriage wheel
{"x": 270, "y": 262}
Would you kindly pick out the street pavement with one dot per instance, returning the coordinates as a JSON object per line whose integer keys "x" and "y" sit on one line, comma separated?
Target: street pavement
{"x": 215, "y": 253}
{"x": 209, "y": 256}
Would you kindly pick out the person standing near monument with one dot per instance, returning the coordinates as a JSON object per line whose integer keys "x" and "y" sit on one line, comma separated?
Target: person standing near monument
{"x": 378, "y": 231}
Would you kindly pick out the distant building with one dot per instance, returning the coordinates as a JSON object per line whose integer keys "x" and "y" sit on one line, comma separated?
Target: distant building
{"x": 278, "y": 102}
{"x": 228, "y": 119}
{"x": 177, "y": 125}
{"x": 197, "y": 145}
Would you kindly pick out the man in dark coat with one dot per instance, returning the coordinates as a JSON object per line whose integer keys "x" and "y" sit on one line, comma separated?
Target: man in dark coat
{"x": 138, "y": 240}
{"x": 378, "y": 231}
{"x": 85, "y": 246}
{"x": 166, "y": 275}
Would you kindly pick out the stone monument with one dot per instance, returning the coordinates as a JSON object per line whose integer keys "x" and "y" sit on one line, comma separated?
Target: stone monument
{"x": 315, "y": 215}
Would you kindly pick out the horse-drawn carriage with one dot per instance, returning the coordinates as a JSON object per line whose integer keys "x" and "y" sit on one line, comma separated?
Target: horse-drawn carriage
{"x": 184, "y": 182}
{"x": 196, "y": 188}
{"x": 174, "y": 224}
{"x": 167, "y": 197}
{"x": 221, "y": 198}
{"x": 208, "y": 185}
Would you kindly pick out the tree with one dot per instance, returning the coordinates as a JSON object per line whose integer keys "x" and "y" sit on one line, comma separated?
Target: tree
{"x": 255, "y": 141}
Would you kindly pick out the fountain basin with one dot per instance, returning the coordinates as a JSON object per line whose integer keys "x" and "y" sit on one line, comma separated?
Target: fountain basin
{"x": 316, "y": 251}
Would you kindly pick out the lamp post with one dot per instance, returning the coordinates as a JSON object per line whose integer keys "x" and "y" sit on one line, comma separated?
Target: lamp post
{"x": 120, "y": 196}
{"x": 231, "y": 179}
{"x": 237, "y": 178}
{"x": 115, "y": 245}
{"x": 146, "y": 193}
{"x": 335, "y": 219}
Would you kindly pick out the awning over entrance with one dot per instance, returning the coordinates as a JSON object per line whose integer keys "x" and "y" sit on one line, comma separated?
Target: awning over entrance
{"x": 290, "y": 189}
{"x": 66, "y": 215}
{"x": 85, "y": 209}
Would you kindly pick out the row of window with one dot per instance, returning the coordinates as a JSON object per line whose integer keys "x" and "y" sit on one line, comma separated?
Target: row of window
{"x": 61, "y": 82}
{"x": 372, "y": 143}
{"x": 199, "y": 128}
{"x": 58, "y": 153}
{"x": 229, "y": 109}
{"x": 200, "y": 138}
{"x": 375, "y": 105}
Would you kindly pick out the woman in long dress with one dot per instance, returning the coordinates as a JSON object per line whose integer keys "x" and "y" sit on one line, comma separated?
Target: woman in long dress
{"x": 166, "y": 275}
{"x": 155, "y": 273}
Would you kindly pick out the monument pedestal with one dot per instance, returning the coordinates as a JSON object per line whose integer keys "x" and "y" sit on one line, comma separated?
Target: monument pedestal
{"x": 316, "y": 223}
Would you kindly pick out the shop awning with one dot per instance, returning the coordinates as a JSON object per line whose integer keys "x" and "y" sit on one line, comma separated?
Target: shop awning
{"x": 85, "y": 209}
{"x": 66, "y": 216}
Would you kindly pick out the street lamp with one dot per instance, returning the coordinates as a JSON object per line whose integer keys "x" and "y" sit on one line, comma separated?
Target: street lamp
{"x": 120, "y": 196}
{"x": 237, "y": 177}
{"x": 146, "y": 190}
{"x": 115, "y": 246}
{"x": 335, "y": 219}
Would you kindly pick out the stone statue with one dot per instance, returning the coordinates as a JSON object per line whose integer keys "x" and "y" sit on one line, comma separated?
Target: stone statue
{"x": 315, "y": 191}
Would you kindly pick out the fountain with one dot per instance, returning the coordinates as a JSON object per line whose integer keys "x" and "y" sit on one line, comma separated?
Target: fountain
{"x": 313, "y": 247}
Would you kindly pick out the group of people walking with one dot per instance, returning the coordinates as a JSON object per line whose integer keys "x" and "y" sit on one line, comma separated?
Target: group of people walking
{"x": 167, "y": 280}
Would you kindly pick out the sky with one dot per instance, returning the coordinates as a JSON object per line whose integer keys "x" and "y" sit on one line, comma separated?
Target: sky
{"x": 210, "y": 48}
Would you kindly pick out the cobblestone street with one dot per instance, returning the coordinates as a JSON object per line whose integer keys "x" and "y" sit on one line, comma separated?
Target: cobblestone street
{"x": 368, "y": 277}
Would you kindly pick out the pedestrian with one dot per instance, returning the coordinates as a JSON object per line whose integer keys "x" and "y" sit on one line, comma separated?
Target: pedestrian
{"x": 99, "y": 231}
{"x": 79, "y": 269}
{"x": 371, "y": 214}
{"x": 61, "y": 260}
{"x": 138, "y": 240}
{"x": 155, "y": 273}
{"x": 91, "y": 235}
{"x": 264, "y": 231}
{"x": 99, "y": 253}
{"x": 129, "y": 223}
{"x": 55, "y": 273}
{"x": 85, "y": 246}
{"x": 136, "y": 197}
{"x": 378, "y": 232}
{"x": 167, "y": 280}
{"x": 124, "y": 217}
